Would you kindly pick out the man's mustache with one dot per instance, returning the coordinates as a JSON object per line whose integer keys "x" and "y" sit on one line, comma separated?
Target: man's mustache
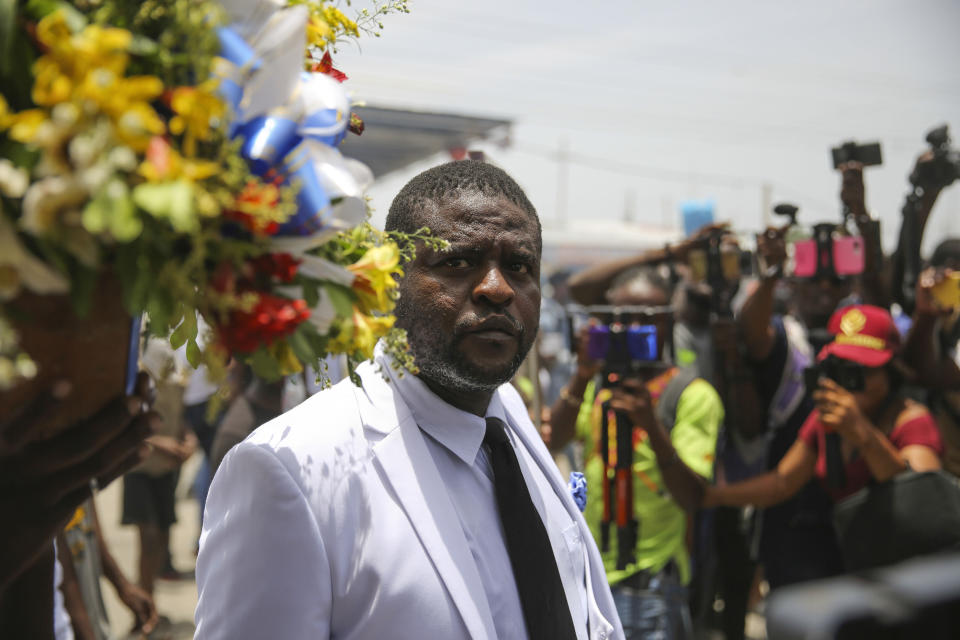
{"x": 473, "y": 322}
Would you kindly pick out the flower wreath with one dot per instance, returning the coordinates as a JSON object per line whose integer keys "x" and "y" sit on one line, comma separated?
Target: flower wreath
{"x": 189, "y": 149}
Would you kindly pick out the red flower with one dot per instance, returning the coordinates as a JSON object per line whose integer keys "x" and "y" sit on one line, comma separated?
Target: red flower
{"x": 281, "y": 266}
{"x": 256, "y": 195}
{"x": 271, "y": 319}
{"x": 326, "y": 66}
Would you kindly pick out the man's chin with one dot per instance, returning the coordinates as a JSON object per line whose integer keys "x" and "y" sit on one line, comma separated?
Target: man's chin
{"x": 468, "y": 376}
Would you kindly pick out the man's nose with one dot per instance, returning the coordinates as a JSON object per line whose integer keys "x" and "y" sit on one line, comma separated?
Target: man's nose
{"x": 494, "y": 287}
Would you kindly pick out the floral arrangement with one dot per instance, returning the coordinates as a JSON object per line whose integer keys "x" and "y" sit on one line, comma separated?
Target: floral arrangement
{"x": 188, "y": 149}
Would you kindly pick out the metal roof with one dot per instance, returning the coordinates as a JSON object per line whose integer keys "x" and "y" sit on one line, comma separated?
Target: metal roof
{"x": 395, "y": 138}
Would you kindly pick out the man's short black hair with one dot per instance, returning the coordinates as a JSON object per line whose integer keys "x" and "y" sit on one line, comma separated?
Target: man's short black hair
{"x": 947, "y": 252}
{"x": 448, "y": 181}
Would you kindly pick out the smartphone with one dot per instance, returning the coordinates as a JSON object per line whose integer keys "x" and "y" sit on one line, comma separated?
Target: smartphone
{"x": 803, "y": 258}
{"x": 697, "y": 259}
{"x": 947, "y": 291}
{"x": 730, "y": 263}
{"x": 848, "y": 255}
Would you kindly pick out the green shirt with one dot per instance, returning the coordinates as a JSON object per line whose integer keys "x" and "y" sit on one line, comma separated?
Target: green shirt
{"x": 662, "y": 523}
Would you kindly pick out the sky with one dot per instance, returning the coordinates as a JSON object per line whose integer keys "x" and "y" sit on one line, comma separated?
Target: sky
{"x": 657, "y": 103}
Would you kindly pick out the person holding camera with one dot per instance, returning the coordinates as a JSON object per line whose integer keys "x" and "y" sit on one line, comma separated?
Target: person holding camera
{"x": 882, "y": 433}
{"x": 671, "y": 415}
{"x": 779, "y": 348}
{"x": 931, "y": 347}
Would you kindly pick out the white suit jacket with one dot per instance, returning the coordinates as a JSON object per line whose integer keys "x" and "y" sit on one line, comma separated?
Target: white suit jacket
{"x": 332, "y": 521}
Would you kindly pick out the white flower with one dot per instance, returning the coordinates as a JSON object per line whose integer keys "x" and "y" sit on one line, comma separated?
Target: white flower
{"x": 47, "y": 199}
{"x": 13, "y": 180}
{"x": 29, "y": 271}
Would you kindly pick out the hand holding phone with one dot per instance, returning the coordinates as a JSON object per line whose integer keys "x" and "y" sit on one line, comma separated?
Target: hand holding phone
{"x": 938, "y": 292}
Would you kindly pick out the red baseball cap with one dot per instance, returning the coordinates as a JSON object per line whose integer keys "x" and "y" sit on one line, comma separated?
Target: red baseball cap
{"x": 864, "y": 334}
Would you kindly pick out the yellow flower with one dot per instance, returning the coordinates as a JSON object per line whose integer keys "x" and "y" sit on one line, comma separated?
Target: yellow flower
{"x": 367, "y": 330}
{"x": 6, "y": 117}
{"x": 326, "y": 24}
{"x": 163, "y": 163}
{"x": 286, "y": 358}
{"x": 24, "y": 125}
{"x": 373, "y": 282}
{"x": 138, "y": 125}
{"x": 318, "y": 32}
{"x": 71, "y": 58}
{"x": 338, "y": 20}
{"x": 50, "y": 84}
{"x": 196, "y": 107}
{"x": 88, "y": 69}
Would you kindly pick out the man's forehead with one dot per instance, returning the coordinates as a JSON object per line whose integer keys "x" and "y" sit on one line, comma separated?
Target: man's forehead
{"x": 464, "y": 214}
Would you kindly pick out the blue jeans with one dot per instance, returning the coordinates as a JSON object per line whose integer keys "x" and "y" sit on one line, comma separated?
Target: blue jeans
{"x": 659, "y": 611}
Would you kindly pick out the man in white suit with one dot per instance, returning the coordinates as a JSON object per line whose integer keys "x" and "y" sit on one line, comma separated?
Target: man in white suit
{"x": 415, "y": 506}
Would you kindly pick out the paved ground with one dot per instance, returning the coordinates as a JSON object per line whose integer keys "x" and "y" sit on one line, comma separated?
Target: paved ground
{"x": 177, "y": 600}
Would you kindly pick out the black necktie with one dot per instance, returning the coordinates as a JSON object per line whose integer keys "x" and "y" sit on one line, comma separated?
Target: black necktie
{"x": 535, "y": 570}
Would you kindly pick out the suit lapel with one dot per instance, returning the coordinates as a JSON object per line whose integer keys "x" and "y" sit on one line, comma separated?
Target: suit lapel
{"x": 409, "y": 468}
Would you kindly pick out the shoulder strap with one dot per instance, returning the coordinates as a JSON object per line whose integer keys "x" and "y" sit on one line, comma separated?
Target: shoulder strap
{"x": 670, "y": 397}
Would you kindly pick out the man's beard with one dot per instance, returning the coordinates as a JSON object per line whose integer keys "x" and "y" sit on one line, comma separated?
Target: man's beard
{"x": 441, "y": 362}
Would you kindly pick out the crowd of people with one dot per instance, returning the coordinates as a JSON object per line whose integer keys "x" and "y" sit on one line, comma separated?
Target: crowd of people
{"x": 776, "y": 398}
{"x": 722, "y": 419}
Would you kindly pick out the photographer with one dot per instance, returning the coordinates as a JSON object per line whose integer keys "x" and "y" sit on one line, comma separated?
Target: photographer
{"x": 672, "y": 416}
{"x": 931, "y": 345}
{"x": 779, "y": 348}
{"x": 883, "y": 433}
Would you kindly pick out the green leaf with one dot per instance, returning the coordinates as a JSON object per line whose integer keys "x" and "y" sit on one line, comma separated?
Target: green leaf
{"x": 160, "y": 307}
{"x": 187, "y": 330}
{"x": 38, "y": 9}
{"x": 141, "y": 45}
{"x": 311, "y": 292}
{"x": 194, "y": 357}
{"x": 172, "y": 200}
{"x": 341, "y": 298}
{"x": 264, "y": 365}
{"x": 82, "y": 283}
{"x": 111, "y": 209}
{"x": 301, "y": 347}
{"x": 8, "y": 22}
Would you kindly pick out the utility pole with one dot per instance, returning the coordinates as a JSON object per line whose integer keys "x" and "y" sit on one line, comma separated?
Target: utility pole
{"x": 630, "y": 206}
{"x": 766, "y": 197}
{"x": 563, "y": 159}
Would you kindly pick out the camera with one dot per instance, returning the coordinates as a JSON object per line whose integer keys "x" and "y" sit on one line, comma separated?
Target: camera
{"x": 828, "y": 254}
{"x": 845, "y": 373}
{"x": 945, "y": 167}
{"x": 827, "y": 251}
{"x": 867, "y": 154}
{"x": 623, "y": 347}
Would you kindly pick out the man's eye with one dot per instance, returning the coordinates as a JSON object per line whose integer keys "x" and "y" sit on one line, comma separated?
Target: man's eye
{"x": 456, "y": 263}
{"x": 520, "y": 267}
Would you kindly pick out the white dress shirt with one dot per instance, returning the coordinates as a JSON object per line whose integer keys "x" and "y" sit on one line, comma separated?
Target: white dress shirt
{"x": 455, "y": 443}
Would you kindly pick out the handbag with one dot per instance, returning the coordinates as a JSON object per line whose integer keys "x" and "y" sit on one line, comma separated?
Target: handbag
{"x": 911, "y": 514}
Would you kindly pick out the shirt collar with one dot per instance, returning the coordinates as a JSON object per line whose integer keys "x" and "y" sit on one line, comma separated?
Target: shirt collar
{"x": 459, "y": 431}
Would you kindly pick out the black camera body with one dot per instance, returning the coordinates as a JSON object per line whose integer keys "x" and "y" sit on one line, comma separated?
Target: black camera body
{"x": 945, "y": 167}
{"x": 867, "y": 154}
{"x": 845, "y": 373}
